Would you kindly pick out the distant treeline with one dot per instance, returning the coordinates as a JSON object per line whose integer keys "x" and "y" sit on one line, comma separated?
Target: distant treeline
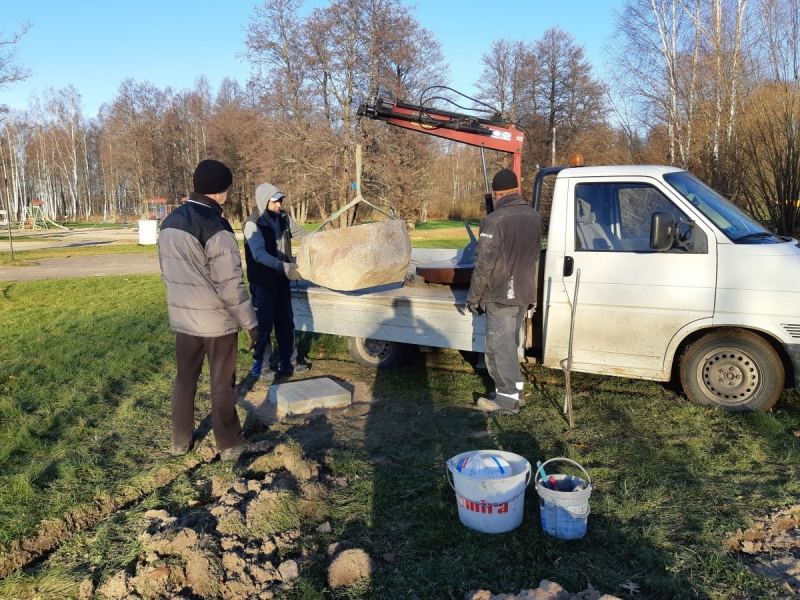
{"x": 708, "y": 85}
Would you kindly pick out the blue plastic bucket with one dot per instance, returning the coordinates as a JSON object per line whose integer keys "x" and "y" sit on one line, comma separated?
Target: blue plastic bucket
{"x": 564, "y": 512}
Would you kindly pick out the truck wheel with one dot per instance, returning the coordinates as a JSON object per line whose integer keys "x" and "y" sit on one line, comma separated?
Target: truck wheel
{"x": 379, "y": 354}
{"x": 734, "y": 369}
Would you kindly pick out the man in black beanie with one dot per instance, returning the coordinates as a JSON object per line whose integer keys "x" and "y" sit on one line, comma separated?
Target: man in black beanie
{"x": 503, "y": 286}
{"x": 208, "y": 304}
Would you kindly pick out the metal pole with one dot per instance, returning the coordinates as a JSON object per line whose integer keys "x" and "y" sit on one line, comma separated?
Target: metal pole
{"x": 568, "y": 367}
{"x": 488, "y": 196}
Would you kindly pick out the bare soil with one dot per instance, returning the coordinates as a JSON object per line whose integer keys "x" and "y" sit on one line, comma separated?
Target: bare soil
{"x": 771, "y": 547}
{"x": 212, "y": 552}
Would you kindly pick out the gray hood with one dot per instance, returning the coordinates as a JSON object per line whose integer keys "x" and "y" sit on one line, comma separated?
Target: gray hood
{"x": 263, "y": 194}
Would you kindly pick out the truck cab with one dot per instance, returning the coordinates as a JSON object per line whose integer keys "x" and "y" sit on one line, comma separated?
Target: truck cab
{"x": 674, "y": 280}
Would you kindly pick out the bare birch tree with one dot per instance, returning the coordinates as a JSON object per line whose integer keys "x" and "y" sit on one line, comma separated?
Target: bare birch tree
{"x": 780, "y": 20}
{"x": 657, "y": 36}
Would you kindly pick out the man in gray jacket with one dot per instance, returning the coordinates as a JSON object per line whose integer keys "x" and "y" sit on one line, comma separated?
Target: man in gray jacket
{"x": 208, "y": 304}
{"x": 268, "y": 234}
{"x": 503, "y": 285}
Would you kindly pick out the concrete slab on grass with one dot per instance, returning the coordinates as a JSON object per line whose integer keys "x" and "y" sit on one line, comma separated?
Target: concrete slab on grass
{"x": 301, "y": 397}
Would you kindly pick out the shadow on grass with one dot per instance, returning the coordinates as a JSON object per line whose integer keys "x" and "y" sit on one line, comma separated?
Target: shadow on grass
{"x": 670, "y": 482}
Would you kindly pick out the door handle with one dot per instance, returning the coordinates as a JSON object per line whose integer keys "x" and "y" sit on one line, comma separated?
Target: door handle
{"x": 569, "y": 265}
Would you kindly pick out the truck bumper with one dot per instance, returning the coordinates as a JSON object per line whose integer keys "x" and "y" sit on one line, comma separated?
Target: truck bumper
{"x": 793, "y": 350}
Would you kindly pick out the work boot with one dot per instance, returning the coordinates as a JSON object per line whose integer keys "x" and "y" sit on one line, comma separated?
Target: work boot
{"x": 297, "y": 369}
{"x": 244, "y": 449}
{"x": 490, "y": 405}
{"x": 255, "y": 372}
{"x": 268, "y": 375}
{"x": 493, "y": 397}
{"x": 181, "y": 450}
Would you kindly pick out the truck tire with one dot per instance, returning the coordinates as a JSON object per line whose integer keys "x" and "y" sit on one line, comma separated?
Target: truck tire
{"x": 378, "y": 354}
{"x": 735, "y": 369}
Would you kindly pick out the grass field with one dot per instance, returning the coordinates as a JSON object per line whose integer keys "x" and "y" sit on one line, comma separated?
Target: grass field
{"x": 86, "y": 367}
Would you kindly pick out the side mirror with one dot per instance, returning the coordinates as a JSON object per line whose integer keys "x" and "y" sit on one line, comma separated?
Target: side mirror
{"x": 663, "y": 231}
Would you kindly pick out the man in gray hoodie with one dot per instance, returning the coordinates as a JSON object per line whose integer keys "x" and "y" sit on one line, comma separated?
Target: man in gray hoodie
{"x": 268, "y": 234}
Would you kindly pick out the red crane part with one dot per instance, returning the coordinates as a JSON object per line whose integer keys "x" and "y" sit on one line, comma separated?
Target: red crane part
{"x": 493, "y": 133}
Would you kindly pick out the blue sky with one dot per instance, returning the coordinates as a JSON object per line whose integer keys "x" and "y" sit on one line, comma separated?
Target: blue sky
{"x": 94, "y": 44}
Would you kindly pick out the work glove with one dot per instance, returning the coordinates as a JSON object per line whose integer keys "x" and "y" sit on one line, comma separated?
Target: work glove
{"x": 474, "y": 308}
{"x": 252, "y": 335}
{"x": 291, "y": 271}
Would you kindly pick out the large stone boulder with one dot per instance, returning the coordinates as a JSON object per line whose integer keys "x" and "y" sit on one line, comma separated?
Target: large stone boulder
{"x": 354, "y": 258}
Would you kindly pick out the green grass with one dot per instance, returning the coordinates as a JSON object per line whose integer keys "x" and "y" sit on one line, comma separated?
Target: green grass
{"x": 85, "y": 376}
{"x": 437, "y": 225}
{"x": 86, "y": 367}
{"x": 441, "y": 243}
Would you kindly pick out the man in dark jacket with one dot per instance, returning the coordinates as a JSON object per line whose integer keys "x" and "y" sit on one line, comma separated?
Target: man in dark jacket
{"x": 503, "y": 286}
{"x": 208, "y": 304}
{"x": 268, "y": 234}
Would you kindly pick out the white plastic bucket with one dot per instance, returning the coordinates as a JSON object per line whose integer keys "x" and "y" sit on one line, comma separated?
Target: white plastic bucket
{"x": 564, "y": 513}
{"x": 490, "y": 505}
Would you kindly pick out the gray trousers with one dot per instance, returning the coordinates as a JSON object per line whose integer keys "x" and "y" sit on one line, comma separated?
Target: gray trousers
{"x": 503, "y": 326}
{"x": 190, "y": 352}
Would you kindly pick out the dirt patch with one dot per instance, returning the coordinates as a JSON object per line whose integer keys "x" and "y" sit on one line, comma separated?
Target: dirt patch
{"x": 83, "y": 266}
{"x": 771, "y": 548}
{"x": 240, "y": 543}
{"x": 53, "y": 533}
{"x": 547, "y": 590}
{"x": 213, "y": 552}
{"x": 348, "y": 567}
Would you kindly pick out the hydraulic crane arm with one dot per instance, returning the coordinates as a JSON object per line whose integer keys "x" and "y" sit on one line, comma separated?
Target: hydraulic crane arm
{"x": 493, "y": 133}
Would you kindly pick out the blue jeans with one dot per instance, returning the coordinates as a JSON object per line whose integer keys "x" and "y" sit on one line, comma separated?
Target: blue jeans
{"x": 273, "y": 306}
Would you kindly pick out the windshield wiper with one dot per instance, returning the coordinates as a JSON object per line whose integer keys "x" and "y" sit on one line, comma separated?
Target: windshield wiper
{"x": 754, "y": 236}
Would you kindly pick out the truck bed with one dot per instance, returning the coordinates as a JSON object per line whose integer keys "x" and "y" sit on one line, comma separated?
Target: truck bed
{"x": 424, "y": 314}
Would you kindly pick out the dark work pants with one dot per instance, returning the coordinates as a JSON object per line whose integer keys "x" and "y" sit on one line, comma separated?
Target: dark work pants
{"x": 503, "y": 326}
{"x": 190, "y": 352}
{"x": 273, "y": 304}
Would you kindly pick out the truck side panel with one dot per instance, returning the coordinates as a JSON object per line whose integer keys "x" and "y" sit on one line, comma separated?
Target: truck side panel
{"x": 428, "y": 317}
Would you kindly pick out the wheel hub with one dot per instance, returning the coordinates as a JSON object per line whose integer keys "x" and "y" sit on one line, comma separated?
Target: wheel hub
{"x": 379, "y": 348}
{"x": 730, "y": 375}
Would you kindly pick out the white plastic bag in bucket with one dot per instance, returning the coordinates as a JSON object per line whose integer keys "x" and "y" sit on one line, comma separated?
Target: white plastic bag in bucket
{"x": 564, "y": 511}
{"x": 487, "y": 502}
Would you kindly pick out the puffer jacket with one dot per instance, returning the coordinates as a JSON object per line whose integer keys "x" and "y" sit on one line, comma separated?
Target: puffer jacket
{"x": 201, "y": 266}
{"x": 508, "y": 249}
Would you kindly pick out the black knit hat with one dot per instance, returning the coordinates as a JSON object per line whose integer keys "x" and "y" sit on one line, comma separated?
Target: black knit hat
{"x": 211, "y": 177}
{"x": 505, "y": 180}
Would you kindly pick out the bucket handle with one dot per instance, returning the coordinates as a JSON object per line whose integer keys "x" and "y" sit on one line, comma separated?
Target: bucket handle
{"x": 537, "y": 478}
{"x": 449, "y": 476}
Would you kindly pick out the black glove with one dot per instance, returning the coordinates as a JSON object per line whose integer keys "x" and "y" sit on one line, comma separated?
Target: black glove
{"x": 474, "y": 308}
{"x": 252, "y": 335}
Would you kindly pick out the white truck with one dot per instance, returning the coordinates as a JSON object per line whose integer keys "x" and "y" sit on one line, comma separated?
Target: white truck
{"x": 675, "y": 282}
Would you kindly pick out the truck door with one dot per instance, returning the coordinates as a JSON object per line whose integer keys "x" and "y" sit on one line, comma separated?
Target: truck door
{"x": 631, "y": 300}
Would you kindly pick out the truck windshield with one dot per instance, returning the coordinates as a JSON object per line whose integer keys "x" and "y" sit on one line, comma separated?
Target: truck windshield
{"x": 732, "y": 221}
